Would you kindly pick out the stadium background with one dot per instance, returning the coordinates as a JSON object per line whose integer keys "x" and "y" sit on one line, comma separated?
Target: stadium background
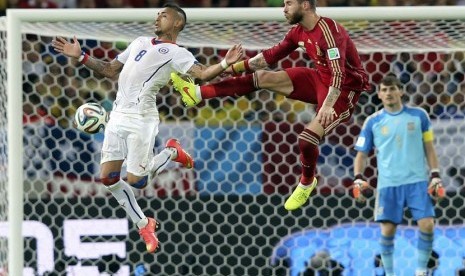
{"x": 225, "y": 218}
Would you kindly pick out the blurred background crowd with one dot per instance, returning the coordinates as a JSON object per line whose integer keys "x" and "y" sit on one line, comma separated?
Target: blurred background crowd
{"x": 55, "y": 87}
{"x": 4, "y": 4}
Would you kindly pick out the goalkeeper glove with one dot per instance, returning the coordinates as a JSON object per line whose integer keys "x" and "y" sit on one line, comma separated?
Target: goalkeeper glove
{"x": 435, "y": 188}
{"x": 359, "y": 186}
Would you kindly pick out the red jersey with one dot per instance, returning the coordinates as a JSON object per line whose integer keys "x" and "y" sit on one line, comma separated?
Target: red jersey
{"x": 332, "y": 50}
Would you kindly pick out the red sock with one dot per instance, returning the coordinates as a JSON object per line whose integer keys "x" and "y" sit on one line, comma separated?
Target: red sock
{"x": 308, "y": 145}
{"x": 233, "y": 87}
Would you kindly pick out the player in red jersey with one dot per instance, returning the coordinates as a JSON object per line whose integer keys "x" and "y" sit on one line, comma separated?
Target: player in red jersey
{"x": 334, "y": 85}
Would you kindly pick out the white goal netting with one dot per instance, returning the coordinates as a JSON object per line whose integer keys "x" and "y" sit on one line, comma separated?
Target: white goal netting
{"x": 226, "y": 217}
{"x": 3, "y": 146}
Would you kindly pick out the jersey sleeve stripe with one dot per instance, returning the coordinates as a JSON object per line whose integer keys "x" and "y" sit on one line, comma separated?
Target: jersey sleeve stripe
{"x": 336, "y": 68}
{"x": 337, "y": 74}
{"x": 327, "y": 34}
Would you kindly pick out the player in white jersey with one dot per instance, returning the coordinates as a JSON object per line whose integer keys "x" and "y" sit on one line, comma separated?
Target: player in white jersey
{"x": 143, "y": 68}
{"x": 403, "y": 139}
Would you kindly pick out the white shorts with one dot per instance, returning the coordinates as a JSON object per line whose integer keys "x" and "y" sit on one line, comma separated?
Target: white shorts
{"x": 130, "y": 137}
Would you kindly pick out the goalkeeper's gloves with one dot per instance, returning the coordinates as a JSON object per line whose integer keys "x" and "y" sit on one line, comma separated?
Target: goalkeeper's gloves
{"x": 435, "y": 188}
{"x": 360, "y": 185}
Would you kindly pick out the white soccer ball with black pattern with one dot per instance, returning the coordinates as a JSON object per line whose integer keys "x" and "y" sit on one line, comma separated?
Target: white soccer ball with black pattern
{"x": 90, "y": 118}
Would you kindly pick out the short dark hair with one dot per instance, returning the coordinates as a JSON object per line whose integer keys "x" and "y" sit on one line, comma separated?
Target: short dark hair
{"x": 312, "y": 3}
{"x": 178, "y": 9}
{"x": 391, "y": 79}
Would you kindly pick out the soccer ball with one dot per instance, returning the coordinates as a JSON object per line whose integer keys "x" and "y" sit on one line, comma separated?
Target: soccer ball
{"x": 90, "y": 118}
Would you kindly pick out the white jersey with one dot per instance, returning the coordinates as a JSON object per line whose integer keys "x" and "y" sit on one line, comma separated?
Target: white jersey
{"x": 147, "y": 67}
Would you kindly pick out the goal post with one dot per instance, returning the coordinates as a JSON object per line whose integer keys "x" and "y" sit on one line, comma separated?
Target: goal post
{"x": 382, "y": 35}
{"x": 15, "y": 148}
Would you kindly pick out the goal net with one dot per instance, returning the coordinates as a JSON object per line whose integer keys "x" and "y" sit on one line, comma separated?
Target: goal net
{"x": 226, "y": 217}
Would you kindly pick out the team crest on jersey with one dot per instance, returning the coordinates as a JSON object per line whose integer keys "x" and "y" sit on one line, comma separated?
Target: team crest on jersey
{"x": 411, "y": 126}
{"x": 385, "y": 130}
{"x": 333, "y": 53}
{"x": 163, "y": 50}
{"x": 301, "y": 44}
{"x": 318, "y": 50}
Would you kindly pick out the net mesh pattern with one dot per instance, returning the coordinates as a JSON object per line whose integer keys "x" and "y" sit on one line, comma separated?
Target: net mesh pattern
{"x": 370, "y": 36}
{"x": 3, "y": 146}
{"x": 226, "y": 217}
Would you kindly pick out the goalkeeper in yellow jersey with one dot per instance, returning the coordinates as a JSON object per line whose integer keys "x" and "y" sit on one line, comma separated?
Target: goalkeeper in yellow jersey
{"x": 403, "y": 139}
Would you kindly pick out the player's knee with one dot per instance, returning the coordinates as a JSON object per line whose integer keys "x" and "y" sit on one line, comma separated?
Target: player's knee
{"x": 426, "y": 225}
{"x": 269, "y": 79}
{"x": 388, "y": 229}
{"x": 138, "y": 182}
{"x": 110, "y": 179}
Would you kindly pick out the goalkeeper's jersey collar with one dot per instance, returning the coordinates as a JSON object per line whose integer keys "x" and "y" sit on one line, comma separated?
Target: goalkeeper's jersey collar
{"x": 395, "y": 113}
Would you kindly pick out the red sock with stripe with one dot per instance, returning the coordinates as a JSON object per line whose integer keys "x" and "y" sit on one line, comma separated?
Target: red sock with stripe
{"x": 308, "y": 145}
{"x": 232, "y": 87}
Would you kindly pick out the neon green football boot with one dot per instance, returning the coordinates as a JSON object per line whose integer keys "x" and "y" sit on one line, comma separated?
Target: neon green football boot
{"x": 186, "y": 89}
{"x": 299, "y": 196}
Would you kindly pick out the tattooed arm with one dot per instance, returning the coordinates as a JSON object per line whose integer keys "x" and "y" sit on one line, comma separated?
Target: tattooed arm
{"x": 249, "y": 65}
{"x": 73, "y": 50}
{"x": 331, "y": 98}
{"x": 205, "y": 73}
{"x": 326, "y": 115}
{"x": 257, "y": 62}
{"x": 107, "y": 69}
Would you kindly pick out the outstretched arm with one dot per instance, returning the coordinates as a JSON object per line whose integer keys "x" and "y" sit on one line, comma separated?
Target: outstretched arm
{"x": 73, "y": 50}
{"x": 249, "y": 65}
{"x": 257, "y": 62}
{"x": 207, "y": 73}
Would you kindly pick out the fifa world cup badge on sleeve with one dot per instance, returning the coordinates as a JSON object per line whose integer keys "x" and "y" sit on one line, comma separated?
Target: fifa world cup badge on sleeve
{"x": 333, "y": 53}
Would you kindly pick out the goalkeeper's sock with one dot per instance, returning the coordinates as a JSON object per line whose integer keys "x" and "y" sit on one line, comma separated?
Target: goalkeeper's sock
{"x": 308, "y": 145}
{"x": 424, "y": 247}
{"x": 387, "y": 253}
{"x": 125, "y": 197}
{"x": 233, "y": 87}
